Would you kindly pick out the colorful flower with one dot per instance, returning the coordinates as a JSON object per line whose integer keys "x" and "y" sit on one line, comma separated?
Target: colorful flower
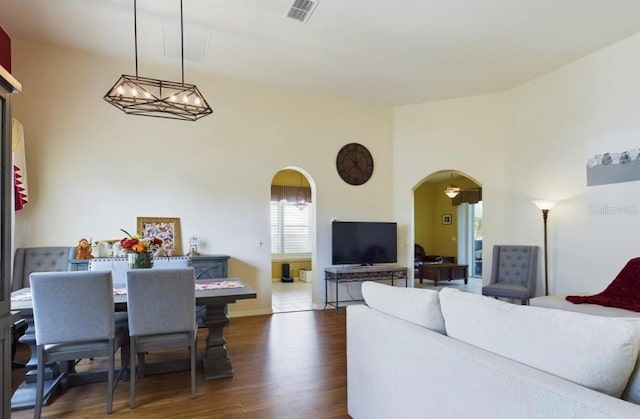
{"x": 139, "y": 244}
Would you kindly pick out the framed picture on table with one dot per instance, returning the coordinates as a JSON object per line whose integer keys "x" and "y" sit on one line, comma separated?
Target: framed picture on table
{"x": 166, "y": 229}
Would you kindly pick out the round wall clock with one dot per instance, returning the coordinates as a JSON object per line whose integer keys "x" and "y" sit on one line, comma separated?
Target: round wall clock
{"x": 354, "y": 164}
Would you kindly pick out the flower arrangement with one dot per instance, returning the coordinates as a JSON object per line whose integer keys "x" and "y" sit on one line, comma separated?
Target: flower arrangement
{"x": 139, "y": 244}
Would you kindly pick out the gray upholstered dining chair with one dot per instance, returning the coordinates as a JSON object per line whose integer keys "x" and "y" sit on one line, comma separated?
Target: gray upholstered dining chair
{"x": 117, "y": 266}
{"x": 171, "y": 262}
{"x": 513, "y": 273}
{"x": 161, "y": 316}
{"x": 180, "y": 262}
{"x": 73, "y": 318}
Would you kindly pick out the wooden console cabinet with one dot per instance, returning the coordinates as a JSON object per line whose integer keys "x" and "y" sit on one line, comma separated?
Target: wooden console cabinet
{"x": 206, "y": 266}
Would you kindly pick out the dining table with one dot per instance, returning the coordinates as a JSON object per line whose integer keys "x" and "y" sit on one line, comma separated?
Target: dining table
{"x": 214, "y": 294}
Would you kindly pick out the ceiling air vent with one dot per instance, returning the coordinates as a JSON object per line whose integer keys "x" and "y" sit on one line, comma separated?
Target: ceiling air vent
{"x": 301, "y": 10}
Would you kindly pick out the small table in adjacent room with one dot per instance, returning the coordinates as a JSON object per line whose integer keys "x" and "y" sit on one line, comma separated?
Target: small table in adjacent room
{"x": 443, "y": 271}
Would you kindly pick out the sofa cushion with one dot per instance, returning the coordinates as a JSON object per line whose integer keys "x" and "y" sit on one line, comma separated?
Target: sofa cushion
{"x": 595, "y": 352}
{"x": 559, "y": 302}
{"x": 419, "y": 306}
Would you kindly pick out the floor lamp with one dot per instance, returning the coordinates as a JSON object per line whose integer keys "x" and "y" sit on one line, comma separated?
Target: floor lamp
{"x": 545, "y": 206}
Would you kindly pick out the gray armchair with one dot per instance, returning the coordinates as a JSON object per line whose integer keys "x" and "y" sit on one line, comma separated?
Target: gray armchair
{"x": 513, "y": 273}
{"x": 39, "y": 259}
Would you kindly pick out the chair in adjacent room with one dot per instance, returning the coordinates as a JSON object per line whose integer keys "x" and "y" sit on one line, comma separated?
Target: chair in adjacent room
{"x": 73, "y": 318}
{"x": 513, "y": 273}
{"x": 161, "y": 315}
{"x": 420, "y": 257}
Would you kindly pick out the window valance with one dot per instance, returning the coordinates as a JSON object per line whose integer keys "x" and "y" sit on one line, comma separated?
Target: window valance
{"x": 290, "y": 193}
{"x": 469, "y": 196}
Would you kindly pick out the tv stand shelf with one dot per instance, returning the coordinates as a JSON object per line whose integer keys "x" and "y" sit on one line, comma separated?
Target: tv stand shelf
{"x": 360, "y": 274}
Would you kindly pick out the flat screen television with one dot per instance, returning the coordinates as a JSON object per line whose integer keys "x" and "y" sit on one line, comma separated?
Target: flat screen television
{"x": 363, "y": 243}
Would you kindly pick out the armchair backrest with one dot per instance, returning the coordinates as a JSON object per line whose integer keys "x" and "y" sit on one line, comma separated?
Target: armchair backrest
{"x": 39, "y": 259}
{"x": 72, "y": 306}
{"x": 516, "y": 265}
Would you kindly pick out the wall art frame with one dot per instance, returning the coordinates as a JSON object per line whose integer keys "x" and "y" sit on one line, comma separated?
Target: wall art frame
{"x": 165, "y": 228}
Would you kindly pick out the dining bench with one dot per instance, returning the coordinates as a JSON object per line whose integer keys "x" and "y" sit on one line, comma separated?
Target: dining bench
{"x": 39, "y": 259}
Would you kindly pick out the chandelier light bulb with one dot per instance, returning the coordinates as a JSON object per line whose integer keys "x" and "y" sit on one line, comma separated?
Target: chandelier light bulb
{"x": 134, "y": 92}
{"x": 120, "y": 90}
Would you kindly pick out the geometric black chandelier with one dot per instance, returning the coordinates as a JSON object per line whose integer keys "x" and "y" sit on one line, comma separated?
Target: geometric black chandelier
{"x": 158, "y": 98}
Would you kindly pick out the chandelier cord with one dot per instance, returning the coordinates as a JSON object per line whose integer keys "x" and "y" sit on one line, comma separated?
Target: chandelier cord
{"x": 135, "y": 32}
{"x": 182, "y": 39}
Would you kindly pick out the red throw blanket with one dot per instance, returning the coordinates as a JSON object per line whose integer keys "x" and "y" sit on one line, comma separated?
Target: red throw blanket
{"x": 623, "y": 292}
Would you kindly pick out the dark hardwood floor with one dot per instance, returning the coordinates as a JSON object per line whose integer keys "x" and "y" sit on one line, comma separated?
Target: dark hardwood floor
{"x": 287, "y": 365}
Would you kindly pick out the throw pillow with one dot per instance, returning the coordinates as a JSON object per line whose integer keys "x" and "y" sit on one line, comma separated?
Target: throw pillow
{"x": 419, "y": 306}
{"x": 595, "y": 352}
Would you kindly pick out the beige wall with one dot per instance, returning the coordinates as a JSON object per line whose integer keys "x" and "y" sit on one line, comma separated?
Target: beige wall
{"x": 466, "y": 135}
{"x": 93, "y": 169}
{"x": 531, "y": 143}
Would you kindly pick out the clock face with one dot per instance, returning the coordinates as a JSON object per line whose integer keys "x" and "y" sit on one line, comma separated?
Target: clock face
{"x": 354, "y": 164}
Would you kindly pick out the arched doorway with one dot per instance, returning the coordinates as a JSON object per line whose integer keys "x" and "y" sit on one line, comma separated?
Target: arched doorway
{"x": 449, "y": 229}
{"x": 292, "y": 232}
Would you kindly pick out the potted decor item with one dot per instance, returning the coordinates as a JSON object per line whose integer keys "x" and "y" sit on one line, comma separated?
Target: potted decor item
{"x": 139, "y": 250}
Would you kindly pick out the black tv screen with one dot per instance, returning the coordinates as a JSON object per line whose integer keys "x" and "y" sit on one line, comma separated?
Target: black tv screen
{"x": 363, "y": 243}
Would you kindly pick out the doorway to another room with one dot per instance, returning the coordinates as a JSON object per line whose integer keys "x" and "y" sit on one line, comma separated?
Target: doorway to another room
{"x": 448, "y": 232}
{"x": 291, "y": 242}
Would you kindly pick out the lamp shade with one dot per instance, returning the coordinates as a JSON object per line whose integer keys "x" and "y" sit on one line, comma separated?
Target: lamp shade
{"x": 544, "y": 205}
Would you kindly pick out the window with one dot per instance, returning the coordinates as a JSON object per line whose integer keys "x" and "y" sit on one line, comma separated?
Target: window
{"x": 289, "y": 228}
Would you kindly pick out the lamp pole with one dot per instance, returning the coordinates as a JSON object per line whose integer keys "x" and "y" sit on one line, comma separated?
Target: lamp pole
{"x": 545, "y": 214}
{"x": 545, "y": 206}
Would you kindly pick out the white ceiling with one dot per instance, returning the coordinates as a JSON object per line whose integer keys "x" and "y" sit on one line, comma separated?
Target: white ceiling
{"x": 381, "y": 51}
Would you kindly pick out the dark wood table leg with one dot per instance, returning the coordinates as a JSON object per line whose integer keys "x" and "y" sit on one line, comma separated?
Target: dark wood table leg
{"x": 215, "y": 360}
{"x": 466, "y": 274}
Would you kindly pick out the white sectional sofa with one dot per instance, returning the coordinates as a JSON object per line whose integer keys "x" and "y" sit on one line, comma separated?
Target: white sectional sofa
{"x": 416, "y": 353}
